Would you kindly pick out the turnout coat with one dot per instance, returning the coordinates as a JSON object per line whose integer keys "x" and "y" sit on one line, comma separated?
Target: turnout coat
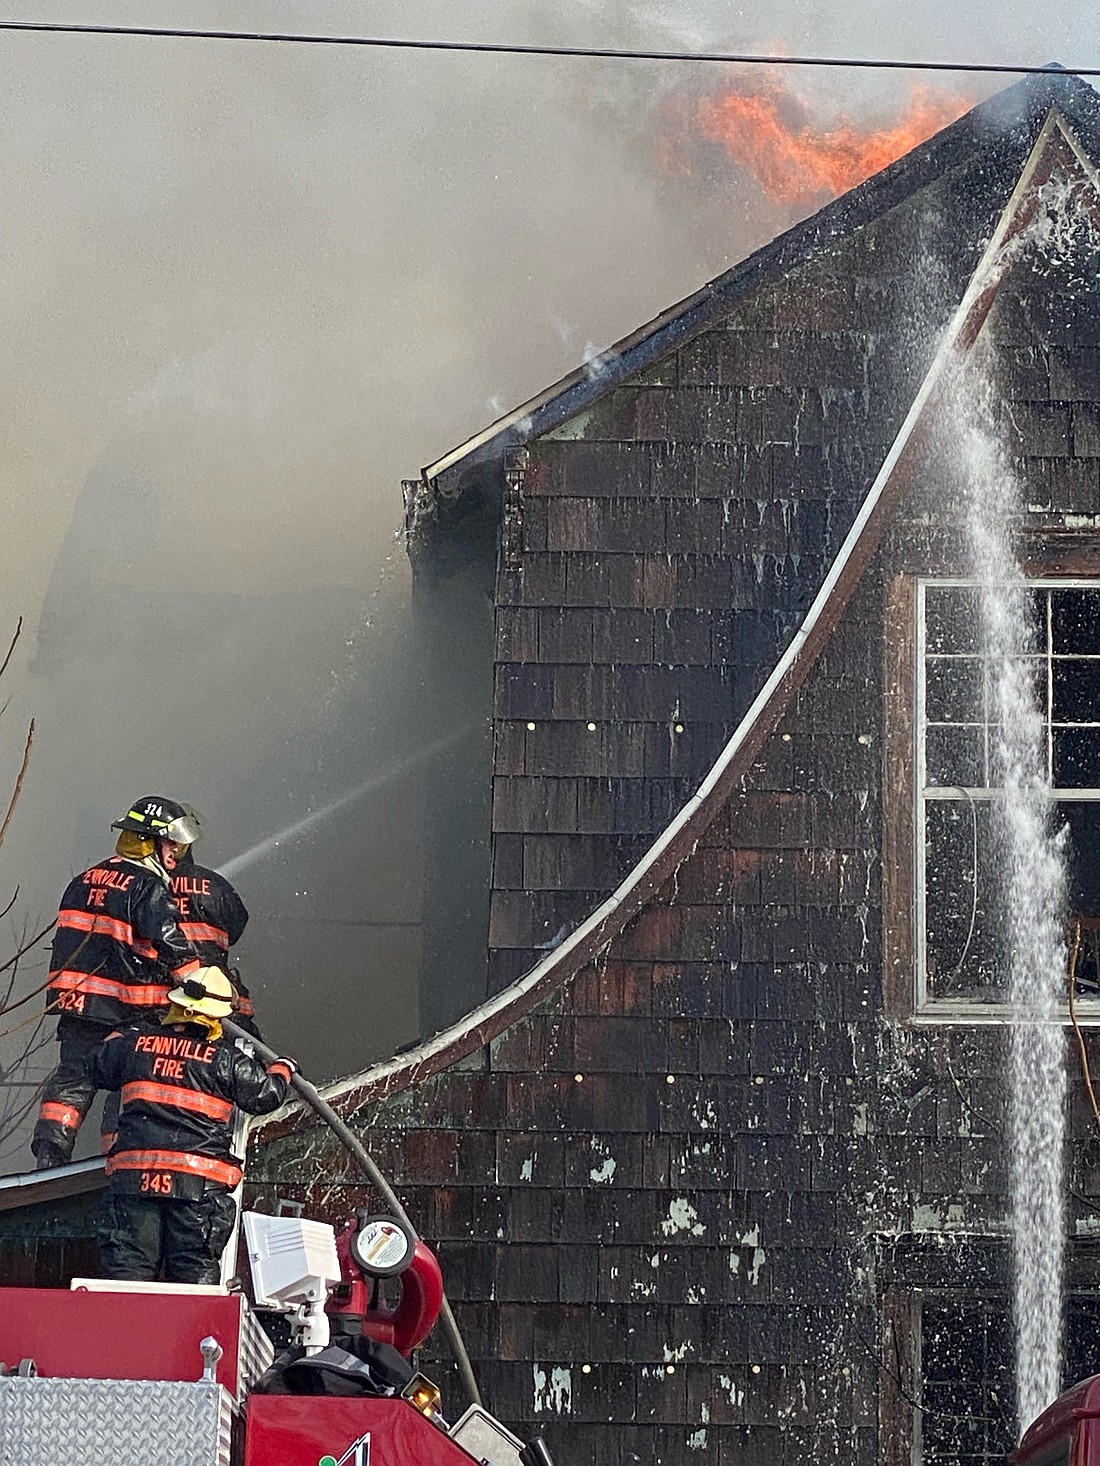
{"x": 178, "y": 1089}
{"x": 118, "y": 946}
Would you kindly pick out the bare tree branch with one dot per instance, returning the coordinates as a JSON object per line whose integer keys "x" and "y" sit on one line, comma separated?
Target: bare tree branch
{"x": 11, "y": 648}
{"x": 13, "y": 961}
{"x": 19, "y": 781}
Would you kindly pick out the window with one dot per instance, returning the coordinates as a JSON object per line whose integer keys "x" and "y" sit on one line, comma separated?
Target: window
{"x": 964, "y": 1403}
{"x": 961, "y": 959}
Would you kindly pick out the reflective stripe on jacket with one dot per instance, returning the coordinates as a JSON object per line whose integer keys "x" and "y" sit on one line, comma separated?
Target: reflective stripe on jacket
{"x": 178, "y": 1089}
{"x": 118, "y": 944}
{"x": 213, "y": 918}
{"x": 212, "y": 915}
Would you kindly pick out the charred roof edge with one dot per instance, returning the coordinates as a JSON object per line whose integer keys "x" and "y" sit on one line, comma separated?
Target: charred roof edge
{"x": 864, "y": 204}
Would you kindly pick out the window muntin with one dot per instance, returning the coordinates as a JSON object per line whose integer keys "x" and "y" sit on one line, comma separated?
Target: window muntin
{"x": 961, "y": 955}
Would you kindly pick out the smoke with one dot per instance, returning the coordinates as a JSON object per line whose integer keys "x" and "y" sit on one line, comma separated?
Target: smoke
{"x": 247, "y": 289}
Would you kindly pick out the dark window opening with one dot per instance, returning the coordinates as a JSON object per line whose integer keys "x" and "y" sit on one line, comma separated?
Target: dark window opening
{"x": 966, "y": 1406}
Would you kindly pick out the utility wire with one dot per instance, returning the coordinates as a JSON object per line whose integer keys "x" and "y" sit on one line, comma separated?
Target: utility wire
{"x": 503, "y": 48}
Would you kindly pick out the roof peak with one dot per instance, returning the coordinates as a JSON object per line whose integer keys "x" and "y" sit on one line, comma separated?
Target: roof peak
{"x": 1006, "y": 123}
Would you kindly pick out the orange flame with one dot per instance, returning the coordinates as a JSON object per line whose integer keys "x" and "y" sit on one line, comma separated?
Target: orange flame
{"x": 794, "y": 162}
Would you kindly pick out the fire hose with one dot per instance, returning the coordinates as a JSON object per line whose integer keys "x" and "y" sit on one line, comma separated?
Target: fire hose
{"x": 359, "y": 1155}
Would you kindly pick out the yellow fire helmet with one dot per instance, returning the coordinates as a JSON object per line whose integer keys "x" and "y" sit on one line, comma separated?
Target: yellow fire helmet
{"x": 207, "y": 991}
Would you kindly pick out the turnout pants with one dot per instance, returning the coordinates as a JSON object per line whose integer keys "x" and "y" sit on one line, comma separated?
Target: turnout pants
{"x": 143, "y": 1239}
{"x": 68, "y": 1092}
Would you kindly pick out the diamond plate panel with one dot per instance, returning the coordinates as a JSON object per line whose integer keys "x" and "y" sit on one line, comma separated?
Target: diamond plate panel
{"x": 91, "y": 1422}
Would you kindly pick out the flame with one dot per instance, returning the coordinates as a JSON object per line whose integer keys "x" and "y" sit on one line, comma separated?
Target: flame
{"x": 793, "y": 160}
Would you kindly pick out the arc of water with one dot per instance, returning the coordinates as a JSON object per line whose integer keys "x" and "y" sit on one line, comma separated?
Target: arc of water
{"x": 233, "y": 867}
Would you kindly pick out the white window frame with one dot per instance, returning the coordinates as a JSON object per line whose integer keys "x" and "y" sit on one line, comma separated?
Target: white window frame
{"x": 928, "y": 1008}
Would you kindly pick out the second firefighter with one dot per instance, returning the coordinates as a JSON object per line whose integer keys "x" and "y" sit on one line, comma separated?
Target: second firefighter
{"x": 170, "y": 1212}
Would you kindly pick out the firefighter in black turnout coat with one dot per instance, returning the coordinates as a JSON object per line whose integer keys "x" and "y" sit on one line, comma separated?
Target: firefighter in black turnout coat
{"x": 169, "y": 1211}
{"x": 117, "y": 950}
{"x": 212, "y": 918}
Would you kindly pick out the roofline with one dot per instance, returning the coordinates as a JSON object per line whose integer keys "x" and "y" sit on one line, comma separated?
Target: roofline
{"x": 54, "y": 1184}
{"x": 592, "y": 379}
{"x": 674, "y": 843}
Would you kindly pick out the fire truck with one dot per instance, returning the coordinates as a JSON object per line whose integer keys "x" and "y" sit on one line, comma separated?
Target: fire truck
{"x": 110, "y": 1373}
{"x": 1068, "y": 1432}
{"x": 129, "y": 1374}
{"x": 159, "y": 1374}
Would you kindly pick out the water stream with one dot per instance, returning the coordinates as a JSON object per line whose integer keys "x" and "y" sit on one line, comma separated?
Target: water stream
{"x": 267, "y": 846}
{"x": 1033, "y": 898}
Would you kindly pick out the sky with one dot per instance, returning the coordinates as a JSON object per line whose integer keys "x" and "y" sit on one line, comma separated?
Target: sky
{"x": 247, "y": 289}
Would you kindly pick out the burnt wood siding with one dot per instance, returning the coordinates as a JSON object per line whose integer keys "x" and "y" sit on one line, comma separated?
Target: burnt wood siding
{"x": 676, "y": 1171}
{"x": 708, "y": 1167}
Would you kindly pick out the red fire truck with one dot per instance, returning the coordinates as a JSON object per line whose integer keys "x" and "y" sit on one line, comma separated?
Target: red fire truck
{"x": 131, "y": 1374}
{"x": 1068, "y": 1432}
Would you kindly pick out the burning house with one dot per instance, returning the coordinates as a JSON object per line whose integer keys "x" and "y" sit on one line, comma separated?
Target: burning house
{"x": 721, "y": 1168}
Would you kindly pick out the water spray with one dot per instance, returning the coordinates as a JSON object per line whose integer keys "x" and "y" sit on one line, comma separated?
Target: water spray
{"x": 233, "y": 867}
{"x": 1034, "y": 893}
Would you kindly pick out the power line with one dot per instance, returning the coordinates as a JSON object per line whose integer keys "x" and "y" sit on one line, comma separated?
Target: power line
{"x": 502, "y": 48}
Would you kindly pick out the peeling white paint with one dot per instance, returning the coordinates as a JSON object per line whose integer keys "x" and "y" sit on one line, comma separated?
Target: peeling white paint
{"x": 929, "y": 1218}
{"x": 527, "y": 1170}
{"x": 859, "y": 1126}
{"x": 682, "y": 1217}
{"x": 606, "y": 1169}
{"x": 697, "y": 1440}
{"x": 751, "y": 1238}
{"x": 758, "y": 1261}
{"x": 734, "y": 1393}
{"x": 735, "y": 1262}
{"x": 553, "y": 1394}
{"x": 677, "y": 1355}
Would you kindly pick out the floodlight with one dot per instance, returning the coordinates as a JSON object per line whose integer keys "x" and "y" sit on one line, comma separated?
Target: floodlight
{"x": 294, "y": 1264}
